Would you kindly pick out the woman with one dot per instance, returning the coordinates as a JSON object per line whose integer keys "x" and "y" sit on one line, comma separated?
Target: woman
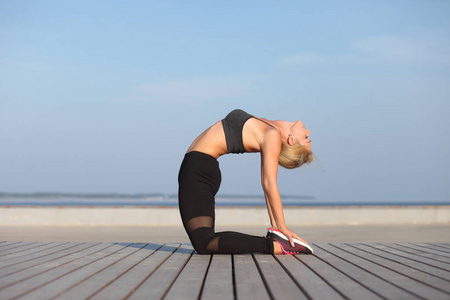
{"x": 280, "y": 143}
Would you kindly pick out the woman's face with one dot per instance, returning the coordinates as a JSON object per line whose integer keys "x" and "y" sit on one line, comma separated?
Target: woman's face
{"x": 301, "y": 134}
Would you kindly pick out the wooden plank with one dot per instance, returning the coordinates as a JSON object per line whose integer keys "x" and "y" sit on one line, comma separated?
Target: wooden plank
{"x": 434, "y": 247}
{"x": 397, "y": 256}
{"x": 123, "y": 286}
{"x": 7, "y": 244}
{"x": 374, "y": 265}
{"x": 219, "y": 279}
{"x": 420, "y": 265}
{"x": 33, "y": 256}
{"x": 27, "y": 265}
{"x": 398, "y": 251}
{"x": 429, "y": 256}
{"x": 30, "y": 251}
{"x": 441, "y": 246}
{"x": 314, "y": 286}
{"x": 346, "y": 286}
{"x": 352, "y": 268}
{"x": 248, "y": 281}
{"x": 418, "y": 251}
{"x": 412, "y": 280}
{"x": 157, "y": 285}
{"x": 189, "y": 283}
{"x": 33, "y": 246}
{"x": 56, "y": 271}
{"x": 278, "y": 282}
{"x": 420, "y": 247}
{"x": 24, "y": 254}
{"x": 96, "y": 282}
{"x": 20, "y": 272}
{"x": 69, "y": 280}
{"x": 16, "y": 246}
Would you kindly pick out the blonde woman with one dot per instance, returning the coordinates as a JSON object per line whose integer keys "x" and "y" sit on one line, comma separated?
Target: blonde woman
{"x": 280, "y": 143}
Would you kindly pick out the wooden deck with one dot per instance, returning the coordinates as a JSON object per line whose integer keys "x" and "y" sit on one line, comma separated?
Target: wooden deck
{"x": 31, "y": 270}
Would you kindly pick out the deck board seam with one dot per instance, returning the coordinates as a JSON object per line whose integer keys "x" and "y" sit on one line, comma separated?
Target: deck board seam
{"x": 347, "y": 275}
{"x": 368, "y": 271}
{"x": 38, "y": 258}
{"x": 421, "y": 246}
{"x": 440, "y": 246}
{"x": 26, "y": 249}
{"x": 11, "y": 243}
{"x": 414, "y": 268}
{"x": 48, "y": 282}
{"x": 176, "y": 277}
{"x": 263, "y": 278}
{"x": 398, "y": 272}
{"x": 233, "y": 278}
{"x": 417, "y": 254}
{"x": 22, "y": 255}
{"x": 307, "y": 295}
{"x": 321, "y": 277}
{"x": 204, "y": 277}
{"x": 17, "y": 246}
{"x": 16, "y": 282}
{"x": 126, "y": 271}
{"x": 93, "y": 274}
{"x": 435, "y": 248}
{"x": 151, "y": 273}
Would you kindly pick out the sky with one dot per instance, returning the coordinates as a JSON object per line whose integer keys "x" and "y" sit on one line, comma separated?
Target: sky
{"x": 106, "y": 96}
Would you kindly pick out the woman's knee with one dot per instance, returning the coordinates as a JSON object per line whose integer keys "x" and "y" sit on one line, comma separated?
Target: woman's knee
{"x": 200, "y": 249}
{"x": 200, "y": 238}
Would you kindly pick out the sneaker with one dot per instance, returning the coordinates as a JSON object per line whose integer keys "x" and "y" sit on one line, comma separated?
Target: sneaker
{"x": 300, "y": 245}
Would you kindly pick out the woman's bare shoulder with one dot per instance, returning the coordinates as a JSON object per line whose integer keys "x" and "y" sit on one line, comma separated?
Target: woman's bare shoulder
{"x": 256, "y": 134}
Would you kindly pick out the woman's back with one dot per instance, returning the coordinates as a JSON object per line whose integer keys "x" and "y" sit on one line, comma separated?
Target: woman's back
{"x": 214, "y": 143}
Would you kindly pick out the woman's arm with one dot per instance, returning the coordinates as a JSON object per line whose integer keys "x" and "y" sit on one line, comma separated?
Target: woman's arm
{"x": 269, "y": 210}
{"x": 270, "y": 151}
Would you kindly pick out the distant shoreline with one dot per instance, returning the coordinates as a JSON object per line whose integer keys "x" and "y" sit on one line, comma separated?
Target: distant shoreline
{"x": 62, "y": 195}
{"x": 219, "y": 203}
{"x": 48, "y": 199}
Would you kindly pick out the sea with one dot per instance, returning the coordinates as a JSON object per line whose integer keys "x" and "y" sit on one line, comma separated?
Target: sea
{"x": 60, "y": 199}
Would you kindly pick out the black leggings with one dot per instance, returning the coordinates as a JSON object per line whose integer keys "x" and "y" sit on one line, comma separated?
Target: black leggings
{"x": 199, "y": 180}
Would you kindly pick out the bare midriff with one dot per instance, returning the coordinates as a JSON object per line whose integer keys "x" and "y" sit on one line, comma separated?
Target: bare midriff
{"x": 211, "y": 141}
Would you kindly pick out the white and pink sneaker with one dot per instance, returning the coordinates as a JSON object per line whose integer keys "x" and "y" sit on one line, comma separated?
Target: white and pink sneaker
{"x": 300, "y": 245}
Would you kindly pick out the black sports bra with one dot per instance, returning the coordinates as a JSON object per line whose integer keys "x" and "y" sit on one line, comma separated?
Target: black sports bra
{"x": 232, "y": 127}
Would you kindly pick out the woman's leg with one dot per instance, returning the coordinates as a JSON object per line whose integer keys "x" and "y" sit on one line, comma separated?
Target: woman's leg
{"x": 199, "y": 180}
{"x": 205, "y": 240}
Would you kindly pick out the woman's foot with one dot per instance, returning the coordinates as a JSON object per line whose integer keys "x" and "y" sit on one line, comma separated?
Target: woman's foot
{"x": 283, "y": 246}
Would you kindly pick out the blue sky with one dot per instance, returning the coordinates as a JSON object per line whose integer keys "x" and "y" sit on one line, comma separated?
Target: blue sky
{"x": 106, "y": 96}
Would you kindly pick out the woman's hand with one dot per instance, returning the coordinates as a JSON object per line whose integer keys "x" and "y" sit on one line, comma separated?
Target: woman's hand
{"x": 290, "y": 234}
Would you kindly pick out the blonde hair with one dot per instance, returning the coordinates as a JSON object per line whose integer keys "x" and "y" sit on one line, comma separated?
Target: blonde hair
{"x": 294, "y": 156}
